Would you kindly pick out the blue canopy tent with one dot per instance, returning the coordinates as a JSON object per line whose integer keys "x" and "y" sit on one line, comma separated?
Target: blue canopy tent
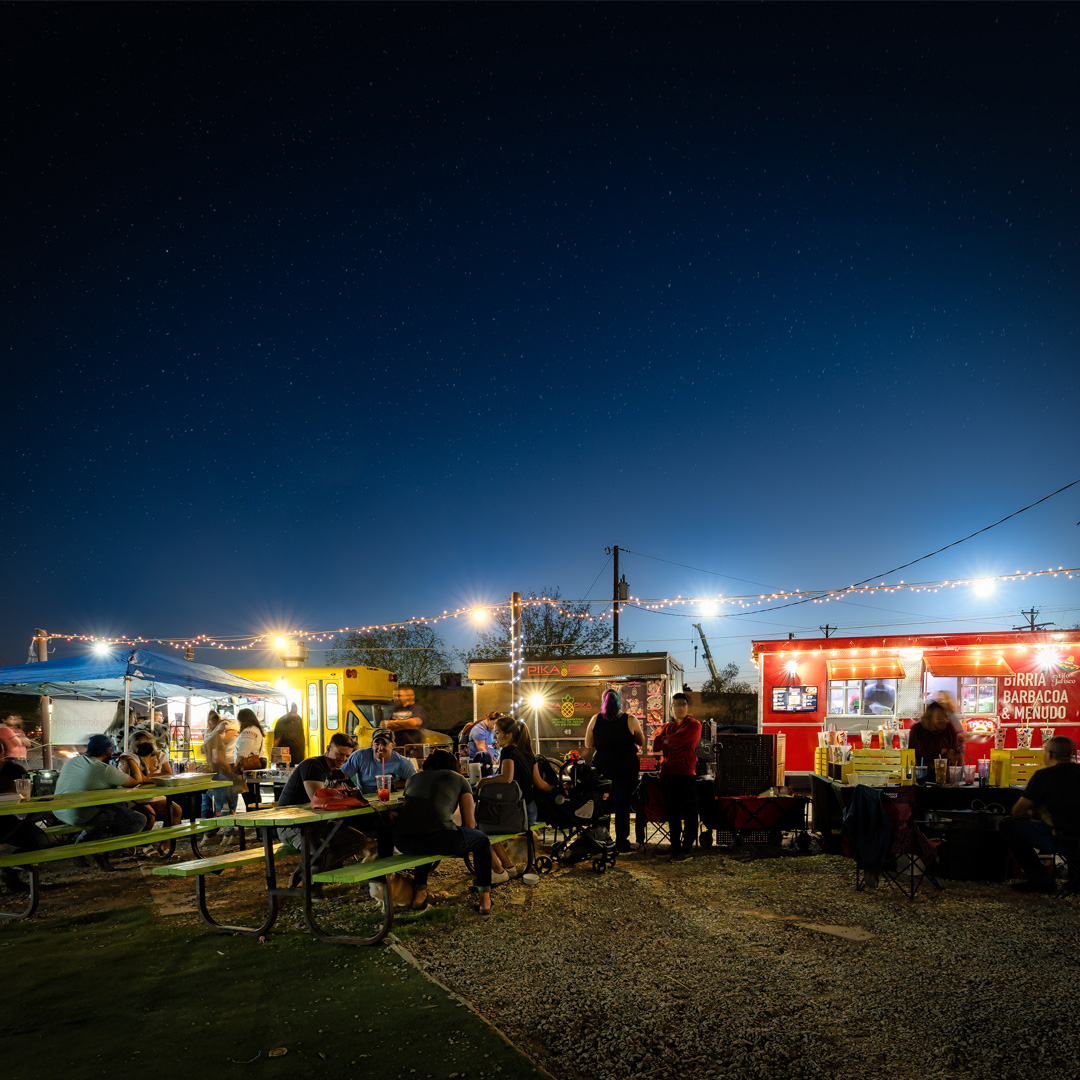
{"x": 129, "y": 674}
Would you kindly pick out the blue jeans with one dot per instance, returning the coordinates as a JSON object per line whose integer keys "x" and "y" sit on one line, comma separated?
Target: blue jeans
{"x": 215, "y": 800}
{"x": 454, "y": 844}
{"x": 111, "y": 820}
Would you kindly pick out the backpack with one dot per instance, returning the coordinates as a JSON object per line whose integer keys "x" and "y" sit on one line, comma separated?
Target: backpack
{"x": 500, "y": 808}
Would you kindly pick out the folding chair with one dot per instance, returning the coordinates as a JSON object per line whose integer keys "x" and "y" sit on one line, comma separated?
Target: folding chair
{"x": 649, "y": 812}
{"x": 881, "y": 835}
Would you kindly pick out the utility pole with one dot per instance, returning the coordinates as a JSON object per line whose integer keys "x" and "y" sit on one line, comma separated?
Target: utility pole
{"x": 1032, "y": 615}
{"x": 620, "y": 590}
{"x": 826, "y": 629}
{"x": 41, "y": 639}
{"x": 615, "y": 598}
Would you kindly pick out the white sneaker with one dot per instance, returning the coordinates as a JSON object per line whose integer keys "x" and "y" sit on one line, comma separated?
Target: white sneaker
{"x": 500, "y": 878}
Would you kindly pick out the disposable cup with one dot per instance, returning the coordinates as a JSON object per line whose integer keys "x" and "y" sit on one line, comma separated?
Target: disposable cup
{"x": 382, "y": 784}
{"x": 941, "y": 770}
{"x": 969, "y": 774}
{"x": 956, "y": 774}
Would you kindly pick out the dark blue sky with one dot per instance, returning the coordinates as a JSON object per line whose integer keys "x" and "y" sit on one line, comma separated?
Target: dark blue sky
{"x": 333, "y": 314}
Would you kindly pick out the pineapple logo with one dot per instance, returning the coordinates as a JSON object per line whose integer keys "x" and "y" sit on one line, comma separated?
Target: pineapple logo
{"x": 564, "y": 671}
{"x": 567, "y": 707}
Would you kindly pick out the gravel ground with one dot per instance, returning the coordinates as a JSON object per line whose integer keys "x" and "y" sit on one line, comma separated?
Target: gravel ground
{"x": 733, "y": 967}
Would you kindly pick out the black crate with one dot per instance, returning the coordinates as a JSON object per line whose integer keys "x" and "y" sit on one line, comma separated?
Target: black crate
{"x": 744, "y": 764}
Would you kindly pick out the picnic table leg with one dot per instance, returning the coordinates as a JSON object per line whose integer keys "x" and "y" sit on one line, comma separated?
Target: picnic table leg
{"x": 309, "y": 914}
{"x": 271, "y": 897}
{"x": 31, "y": 901}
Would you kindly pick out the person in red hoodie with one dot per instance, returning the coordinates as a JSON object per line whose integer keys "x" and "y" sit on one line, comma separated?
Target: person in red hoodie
{"x": 677, "y": 742}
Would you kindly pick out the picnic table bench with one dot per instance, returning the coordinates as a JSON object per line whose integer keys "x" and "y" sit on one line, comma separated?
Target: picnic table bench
{"x": 304, "y": 882}
{"x": 32, "y": 861}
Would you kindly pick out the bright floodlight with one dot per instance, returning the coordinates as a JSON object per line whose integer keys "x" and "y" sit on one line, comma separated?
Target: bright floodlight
{"x": 101, "y": 647}
{"x": 708, "y": 607}
{"x": 479, "y": 614}
{"x": 792, "y": 667}
{"x": 536, "y": 701}
{"x": 984, "y": 586}
{"x": 280, "y": 642}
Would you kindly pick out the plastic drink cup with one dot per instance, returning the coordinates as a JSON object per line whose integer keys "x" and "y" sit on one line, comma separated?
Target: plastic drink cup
{"x": 956, "y": 774}
{"x": 1023, "y": 738}
{"x": 941, "y": 770}
{"x": 984, "y": 771}
{"x": 921, "y": 773}
{"x": 969, "y": 774}
{"x": 382, "y": 784}
{"x": 23, "y": 788}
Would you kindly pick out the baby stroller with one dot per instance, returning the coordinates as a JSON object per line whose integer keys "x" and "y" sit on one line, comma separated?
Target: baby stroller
{"x": 579, "y": 810}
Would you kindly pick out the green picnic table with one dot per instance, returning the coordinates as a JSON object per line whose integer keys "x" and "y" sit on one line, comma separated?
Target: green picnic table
{"x": 302, "y": 818}
{"x": 32, "y": 860}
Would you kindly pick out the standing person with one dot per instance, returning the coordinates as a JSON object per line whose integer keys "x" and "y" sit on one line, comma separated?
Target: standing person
{"x": 677, "y": 741}
{"x": 217, "y": 748}
{"x": 1055, "y": 790}
{"x": 948, "y": 703}
{"x": 425, "y": 826}
{"x": 289, "y": 732}
{"x": 247, "y": 753}
{"x": 407, "y": 721}
{"x": 378, "y": 758}
{"x": 933, "y": 737}
{"x": 15, "y": 742}
{"x": 613, "y": 741}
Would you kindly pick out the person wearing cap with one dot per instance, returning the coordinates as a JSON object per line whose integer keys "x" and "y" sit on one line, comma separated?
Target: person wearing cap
{"x": 92, "y": 771}
{"x": 378, "y": 758}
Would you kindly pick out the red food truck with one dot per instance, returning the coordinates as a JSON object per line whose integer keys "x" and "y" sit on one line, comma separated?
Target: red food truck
{"x": 1016, "y": 679}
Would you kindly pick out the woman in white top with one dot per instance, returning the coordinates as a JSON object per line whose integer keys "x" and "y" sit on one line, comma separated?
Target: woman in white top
{"x": 248, "y": 752}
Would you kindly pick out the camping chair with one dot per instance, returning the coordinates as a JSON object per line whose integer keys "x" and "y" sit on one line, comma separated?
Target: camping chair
{"x": 649, "y": 812}
{"x": 881, "y": 835}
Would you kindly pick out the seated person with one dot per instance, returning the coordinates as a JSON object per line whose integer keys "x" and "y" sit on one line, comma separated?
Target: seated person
{"x": 92, "y": 771}
{"x": 380, "y": 757}
{"x": 934, "y": 736}
{"x": 151, "y": 762}
{"x": 1054, "y": 792}
{"x": 319, "y": 771}
{"x": 482, "y": 738}
{"x": 16, "y": 833}
{"x": 517, "y": 762}
{"x": 425, "y": 826}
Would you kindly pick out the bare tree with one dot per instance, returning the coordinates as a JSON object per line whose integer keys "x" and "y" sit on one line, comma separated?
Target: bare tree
{"x": 414, "y": 651}
{"x": 556, "y": 629}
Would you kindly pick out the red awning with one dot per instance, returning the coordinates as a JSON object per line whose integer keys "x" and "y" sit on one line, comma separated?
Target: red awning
{"x": 967, "y": 663}
{"x": 866, "y": 667}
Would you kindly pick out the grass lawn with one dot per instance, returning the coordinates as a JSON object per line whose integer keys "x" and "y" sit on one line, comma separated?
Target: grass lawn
{"x": 124, "y": 994}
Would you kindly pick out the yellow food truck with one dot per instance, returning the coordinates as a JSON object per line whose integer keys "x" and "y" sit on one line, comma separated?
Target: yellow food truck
{"x": 330, "y": 699}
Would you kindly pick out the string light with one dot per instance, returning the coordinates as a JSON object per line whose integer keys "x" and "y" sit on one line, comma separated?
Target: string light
{"x": 661, "y": 604}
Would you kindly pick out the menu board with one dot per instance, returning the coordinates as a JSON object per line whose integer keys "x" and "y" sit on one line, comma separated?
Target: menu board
{"x": 644, "y": 699}
{"x": 794, "y": 699}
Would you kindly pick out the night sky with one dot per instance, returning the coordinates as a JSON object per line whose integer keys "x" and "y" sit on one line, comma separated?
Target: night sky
{"x": 325, "y": 315}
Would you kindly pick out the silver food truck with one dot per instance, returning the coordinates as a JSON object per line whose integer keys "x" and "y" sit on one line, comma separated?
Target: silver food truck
{"x": 560, "y": 695}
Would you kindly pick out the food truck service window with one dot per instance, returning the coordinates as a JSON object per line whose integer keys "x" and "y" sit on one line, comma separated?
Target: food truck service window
{"x": 978, "y": 694}
{"x": 974, "y": 694}
{"x": 862, "y": 697}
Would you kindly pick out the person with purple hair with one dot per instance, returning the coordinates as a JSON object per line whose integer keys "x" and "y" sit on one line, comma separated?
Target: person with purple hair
{"x": 613, "y": 742}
